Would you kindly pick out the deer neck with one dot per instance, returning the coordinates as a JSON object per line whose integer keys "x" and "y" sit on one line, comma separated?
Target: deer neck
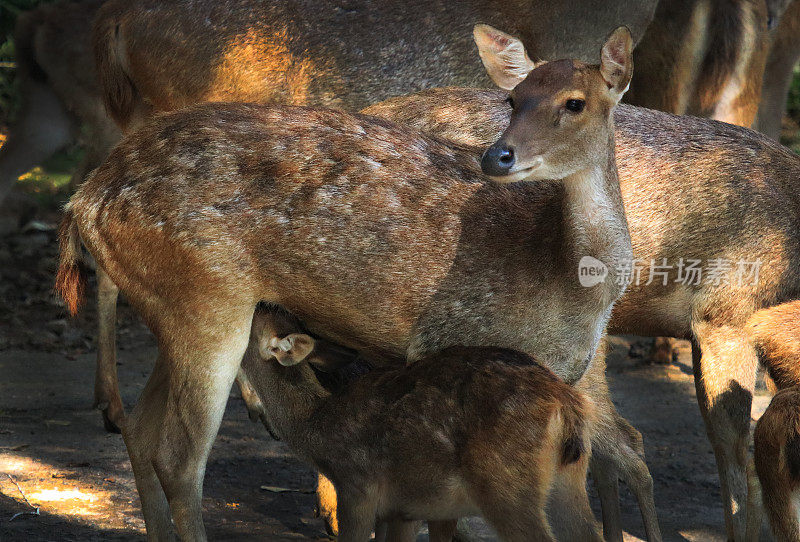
{"x": 594, "y": 216}
{"x": 293, "y": 395}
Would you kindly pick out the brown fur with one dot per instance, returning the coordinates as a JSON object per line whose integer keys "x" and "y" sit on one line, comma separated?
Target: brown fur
{"x": 777, "y": 462}
{"x": 705, "y": 58}
{"x": 783, "y": 56}
{"x": 299, "y": 52}
{"x": 692, "y": 189}
{"x": 465, "y": 431}
{"x": 367, "y": 163}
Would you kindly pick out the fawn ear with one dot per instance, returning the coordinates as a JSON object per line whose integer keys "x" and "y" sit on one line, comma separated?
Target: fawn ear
{"x": 503, "y": 56}
{"x": 616, "y": 61}
{"x": 293, "y": 348}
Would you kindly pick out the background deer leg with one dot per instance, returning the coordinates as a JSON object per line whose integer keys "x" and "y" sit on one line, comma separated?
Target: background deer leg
{"x": 606, "y": 479}
{"x": 725, "y": 364}
{"x": 106, "y": 384}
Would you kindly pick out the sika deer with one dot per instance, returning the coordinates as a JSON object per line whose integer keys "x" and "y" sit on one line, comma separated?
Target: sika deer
{"x": 466, "y": 431}
{"x": 205, "y": 212}
{"x": 692, "y": 189}
{"x": 303, "y": 53}
{"x": 55, "y": 67}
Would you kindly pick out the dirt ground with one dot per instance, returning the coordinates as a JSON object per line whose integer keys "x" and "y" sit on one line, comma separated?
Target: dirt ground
{"x": 55, "y": 454}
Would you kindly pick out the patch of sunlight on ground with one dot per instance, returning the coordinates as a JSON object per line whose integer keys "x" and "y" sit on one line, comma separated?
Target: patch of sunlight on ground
{"x": 58, "y": 495}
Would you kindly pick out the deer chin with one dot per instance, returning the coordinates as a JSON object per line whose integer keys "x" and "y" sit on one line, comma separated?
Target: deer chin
{"x": 521, "y": 174}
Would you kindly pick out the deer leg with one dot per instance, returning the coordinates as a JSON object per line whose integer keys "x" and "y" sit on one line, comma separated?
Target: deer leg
{"x": 606, "y": 479}
{"x": 619, "y": 453}
{"x": 106, "y": 383}
{"x": 356, "y": 517}
{"x": 43, "y": 127}
{"x": 138, "y": 436}
{"x": 755, "y": 510}
{"x": 725, "y": 364}
{"x": 201, "y": 354}
{"x": 442, "y": 531}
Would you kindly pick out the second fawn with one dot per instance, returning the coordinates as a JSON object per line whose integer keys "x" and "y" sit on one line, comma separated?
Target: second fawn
{"x": 467, "y": 431}
{"x": 774, "y": 483}
{"x": 776, "y": 459}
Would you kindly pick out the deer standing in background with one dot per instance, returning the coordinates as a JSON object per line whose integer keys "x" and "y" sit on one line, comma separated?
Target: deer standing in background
{"x": 704, "y": 58}
{"x": 441, "y": 439}
{"x": 227, "y": 197}
{"x": 59, "y": 90}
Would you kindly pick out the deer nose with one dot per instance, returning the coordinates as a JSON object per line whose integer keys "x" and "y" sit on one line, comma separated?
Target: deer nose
{"x": 498, "y": 160}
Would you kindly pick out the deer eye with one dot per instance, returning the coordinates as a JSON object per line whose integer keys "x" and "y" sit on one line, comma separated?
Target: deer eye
{"x": 510, "y": 102}
{"x": 575, "y": 106}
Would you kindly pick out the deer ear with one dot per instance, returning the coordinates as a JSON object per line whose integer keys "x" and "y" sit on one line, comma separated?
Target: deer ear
{"x": 294, "y": 348}
{"x": 616, "y": 61}
{"x": 503, "y": 56}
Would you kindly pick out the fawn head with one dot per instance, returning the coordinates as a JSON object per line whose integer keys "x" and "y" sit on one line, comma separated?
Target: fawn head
{"x": 561, "y": 110}
{"x": 288, "y": 350}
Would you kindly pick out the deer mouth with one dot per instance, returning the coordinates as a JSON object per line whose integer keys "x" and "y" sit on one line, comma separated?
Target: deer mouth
{"x": 520, "y": 174}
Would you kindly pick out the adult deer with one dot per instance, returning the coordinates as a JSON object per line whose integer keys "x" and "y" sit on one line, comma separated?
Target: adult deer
{"x": 693, "y": 189}
{"x": 705, "y": 58}
{"x": 301, "y": 52}
{"x": 228, "y": 198}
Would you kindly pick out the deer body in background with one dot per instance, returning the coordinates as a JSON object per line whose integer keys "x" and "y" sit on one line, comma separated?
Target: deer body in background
{"x": 227, "y": 197}
{"x": 59, "y": 91}
{"x": 704, "y": 58}
{"x": 310, "y": 52}
{"x": 441, "y": 439}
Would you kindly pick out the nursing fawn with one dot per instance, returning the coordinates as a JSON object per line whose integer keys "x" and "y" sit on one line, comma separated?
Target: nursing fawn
{"x": 466, "y": 431}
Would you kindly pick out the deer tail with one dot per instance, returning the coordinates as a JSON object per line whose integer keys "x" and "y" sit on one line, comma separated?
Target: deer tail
{"x": 72, "y": 269}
